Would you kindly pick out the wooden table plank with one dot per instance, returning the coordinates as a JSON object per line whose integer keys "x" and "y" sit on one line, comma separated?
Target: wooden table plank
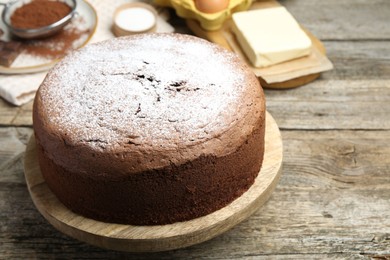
{"x": 332, "y": 104}
{"x": 358, "y": 60}
{"x": 11, "y": 115}
{"x": 343, "y": 19}
{"x": 13, "y": 143}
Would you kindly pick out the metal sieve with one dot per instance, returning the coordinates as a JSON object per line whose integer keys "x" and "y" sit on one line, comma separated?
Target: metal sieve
{"x": 41, "y": 32}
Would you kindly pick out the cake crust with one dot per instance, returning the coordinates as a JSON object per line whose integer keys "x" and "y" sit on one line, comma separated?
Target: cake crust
{"x": 149, "y": 129}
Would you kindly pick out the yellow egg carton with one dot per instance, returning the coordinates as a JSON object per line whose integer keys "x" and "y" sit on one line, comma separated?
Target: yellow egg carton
{"x": 186, "y": 9}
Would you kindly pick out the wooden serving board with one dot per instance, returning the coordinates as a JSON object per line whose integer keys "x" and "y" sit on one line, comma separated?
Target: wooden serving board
{"x": 218, "y": 37}
{"x": 164, "y": 237}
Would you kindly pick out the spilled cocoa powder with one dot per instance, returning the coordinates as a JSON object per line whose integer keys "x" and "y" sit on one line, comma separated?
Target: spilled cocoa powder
{"x": 39, "y": 13}
{"x": 54, "y": 47}
{"x": 60, "y": 44}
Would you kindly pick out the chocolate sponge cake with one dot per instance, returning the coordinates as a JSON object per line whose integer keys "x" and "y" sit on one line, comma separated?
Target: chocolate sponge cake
{"x": 149, "y": 129}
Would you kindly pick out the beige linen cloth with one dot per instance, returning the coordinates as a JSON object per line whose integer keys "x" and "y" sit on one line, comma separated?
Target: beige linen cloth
{"x": 20, "y": 89}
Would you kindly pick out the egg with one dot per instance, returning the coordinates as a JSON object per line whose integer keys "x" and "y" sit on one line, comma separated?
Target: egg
{"x": 211, "y": 6}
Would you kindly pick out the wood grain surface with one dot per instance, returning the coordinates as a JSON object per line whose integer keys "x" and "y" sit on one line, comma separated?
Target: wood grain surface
{"x": 333, "y": 200}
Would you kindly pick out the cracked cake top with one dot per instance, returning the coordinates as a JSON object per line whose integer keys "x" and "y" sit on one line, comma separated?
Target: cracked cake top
{"x": 150, "y": 92}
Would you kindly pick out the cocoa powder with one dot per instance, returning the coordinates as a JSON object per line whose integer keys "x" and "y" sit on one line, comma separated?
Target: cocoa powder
{"x": 39, "y": 13}
{"x": 60, "y": 44}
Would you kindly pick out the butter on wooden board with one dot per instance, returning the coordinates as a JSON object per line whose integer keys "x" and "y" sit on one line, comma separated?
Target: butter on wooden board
{"x": 270, "y": 36}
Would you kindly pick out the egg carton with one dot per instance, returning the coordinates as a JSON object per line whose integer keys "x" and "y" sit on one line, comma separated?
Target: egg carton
{"x": 208, "y": 21}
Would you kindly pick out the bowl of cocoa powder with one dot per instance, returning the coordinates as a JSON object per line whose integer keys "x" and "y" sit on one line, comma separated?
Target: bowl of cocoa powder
{"x": 30, "y": 19}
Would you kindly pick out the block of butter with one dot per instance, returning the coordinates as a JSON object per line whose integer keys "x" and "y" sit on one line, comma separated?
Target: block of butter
{"x": 270, "y": 36}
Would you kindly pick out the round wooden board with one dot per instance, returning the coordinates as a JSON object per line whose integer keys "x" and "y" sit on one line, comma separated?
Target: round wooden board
{"x": 157, "y": 238}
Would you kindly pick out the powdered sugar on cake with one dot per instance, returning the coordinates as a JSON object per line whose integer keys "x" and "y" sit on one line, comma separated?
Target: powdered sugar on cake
{"x": 132, "y": 92}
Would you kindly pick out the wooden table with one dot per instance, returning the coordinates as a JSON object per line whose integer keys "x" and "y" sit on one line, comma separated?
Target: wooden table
{"x": 333, "y": 200}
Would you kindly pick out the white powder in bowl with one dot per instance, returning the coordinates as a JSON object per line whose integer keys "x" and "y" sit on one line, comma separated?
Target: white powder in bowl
{"x": 135, "y": 19}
